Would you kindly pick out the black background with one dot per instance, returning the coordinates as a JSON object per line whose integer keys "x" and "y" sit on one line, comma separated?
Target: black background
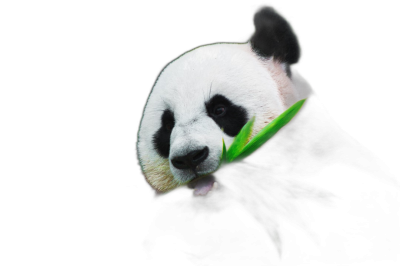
{"x": 113, "y": 56}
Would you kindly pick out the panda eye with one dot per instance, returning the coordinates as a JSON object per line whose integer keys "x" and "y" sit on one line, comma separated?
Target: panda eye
{"x": 219, "y": 110}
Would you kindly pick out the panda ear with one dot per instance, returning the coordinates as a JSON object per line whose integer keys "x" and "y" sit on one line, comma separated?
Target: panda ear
{"x": 274, "y": 37}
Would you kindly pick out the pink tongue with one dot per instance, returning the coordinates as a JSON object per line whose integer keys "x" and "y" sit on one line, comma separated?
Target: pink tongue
{"x": 203, "y": 186}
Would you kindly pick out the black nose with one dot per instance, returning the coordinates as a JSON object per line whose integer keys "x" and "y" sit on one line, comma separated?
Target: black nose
{"x": 190, "y": 160}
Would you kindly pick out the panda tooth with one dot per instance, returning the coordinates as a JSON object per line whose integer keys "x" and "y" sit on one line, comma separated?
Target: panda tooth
{"x": 214, "y": 186}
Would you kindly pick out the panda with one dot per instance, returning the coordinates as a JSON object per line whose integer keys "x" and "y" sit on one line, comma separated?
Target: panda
{"x": 311, "y": 195}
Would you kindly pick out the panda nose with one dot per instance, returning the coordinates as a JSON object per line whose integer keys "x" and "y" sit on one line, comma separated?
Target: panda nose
{"x": 190, "y": 160}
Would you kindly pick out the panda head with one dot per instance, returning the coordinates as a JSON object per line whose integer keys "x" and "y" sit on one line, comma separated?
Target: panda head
{"x": 209, "y": 94}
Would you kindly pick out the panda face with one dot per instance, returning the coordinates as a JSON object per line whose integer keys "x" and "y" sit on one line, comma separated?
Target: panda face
{"x": 206, "y": 96}
{"x": 199, "y": 99}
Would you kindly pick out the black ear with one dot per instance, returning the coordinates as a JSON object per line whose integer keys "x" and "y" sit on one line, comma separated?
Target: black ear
{"x": 274, "y": 37}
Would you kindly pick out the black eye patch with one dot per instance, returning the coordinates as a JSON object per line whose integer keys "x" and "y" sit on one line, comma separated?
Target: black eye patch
{"x": 161, "y": 139}
{"x": 227, "y": 115}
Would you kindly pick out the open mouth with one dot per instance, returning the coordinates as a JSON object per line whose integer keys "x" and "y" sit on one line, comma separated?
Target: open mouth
{"x": 202, "y": 184}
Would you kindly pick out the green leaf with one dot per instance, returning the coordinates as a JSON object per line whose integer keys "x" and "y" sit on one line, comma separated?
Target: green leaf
{"x": 240, "y": 141}
{"x": 270, "y": 130}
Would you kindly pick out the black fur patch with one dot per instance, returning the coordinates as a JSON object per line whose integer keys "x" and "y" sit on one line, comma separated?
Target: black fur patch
{"x": 232, "y": 120}
{"x": 162, "y": 138}
{"x": 274, "y": 37}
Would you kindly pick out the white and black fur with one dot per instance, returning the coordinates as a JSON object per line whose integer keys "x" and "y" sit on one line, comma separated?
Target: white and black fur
{"x": 310, "y": 196}
{"x": 248, "y": 79}
{"x": 251, "y": 79}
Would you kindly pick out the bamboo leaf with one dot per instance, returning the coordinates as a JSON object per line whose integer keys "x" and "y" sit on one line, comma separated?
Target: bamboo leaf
{"x": 240, "y": 141}
{"x": 270, "y": 130}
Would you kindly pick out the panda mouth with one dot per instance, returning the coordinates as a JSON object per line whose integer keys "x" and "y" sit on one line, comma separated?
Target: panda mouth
{"x": 202, "y": 184}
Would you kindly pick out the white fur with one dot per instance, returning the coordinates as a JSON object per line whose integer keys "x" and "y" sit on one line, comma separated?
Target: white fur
{"x": 260, "y": 86}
